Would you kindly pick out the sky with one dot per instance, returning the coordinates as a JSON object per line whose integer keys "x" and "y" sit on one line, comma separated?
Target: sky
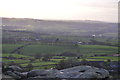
{"x": 100, "y": 10}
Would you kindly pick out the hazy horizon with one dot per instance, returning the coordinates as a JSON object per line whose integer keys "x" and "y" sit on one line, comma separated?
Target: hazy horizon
{"x": 57, "y": 19}
{"x": 97, "y": 10}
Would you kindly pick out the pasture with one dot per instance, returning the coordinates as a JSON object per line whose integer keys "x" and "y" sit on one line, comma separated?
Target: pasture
{"x": 34, "y": 49}
{"x": 28, "y": 52}
{"x": 39, "y": 64}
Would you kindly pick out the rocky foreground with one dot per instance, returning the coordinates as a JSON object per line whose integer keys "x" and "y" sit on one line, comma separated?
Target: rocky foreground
{"x": 78, "y": 72}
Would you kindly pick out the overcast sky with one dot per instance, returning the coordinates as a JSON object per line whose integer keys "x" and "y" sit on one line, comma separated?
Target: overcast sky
{"x": 102, "y": 10}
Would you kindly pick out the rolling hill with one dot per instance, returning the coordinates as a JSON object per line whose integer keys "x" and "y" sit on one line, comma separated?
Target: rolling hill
{"x": 61, "y": 27}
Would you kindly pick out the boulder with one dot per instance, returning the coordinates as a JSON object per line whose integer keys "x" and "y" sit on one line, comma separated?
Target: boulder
{"x": 101, "y": 72}
{"x": 74, "y": 72}
{"x": 88, "y": 75}
{"x": 22, "y": 75}
{"x": 36, "y": 78}
{"x": 34, "y": 73}
{"x": 67, "y": 75}
{"x": 83, "y": 72}
{"x": 6, "y": 77}
{"x": 76, "y": 69}
{"x": 12, "y": 74}
{"x": 14, "y": 68}
{"x": 50, "y": 73}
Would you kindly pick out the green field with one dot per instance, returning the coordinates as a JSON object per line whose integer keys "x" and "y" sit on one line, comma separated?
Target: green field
{"x": 57, "y": 49}
{"x": 104, "y": 58}
{"x": 28, "y": 52}
{"x": 49, "y": 64}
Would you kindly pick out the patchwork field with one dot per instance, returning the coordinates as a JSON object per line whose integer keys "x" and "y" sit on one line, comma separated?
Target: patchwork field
{"x": 39, "y": 64}
{"x": 26, "y": 57}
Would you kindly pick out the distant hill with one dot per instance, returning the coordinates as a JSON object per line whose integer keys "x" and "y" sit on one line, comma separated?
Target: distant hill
{"x": 67, "y": 27}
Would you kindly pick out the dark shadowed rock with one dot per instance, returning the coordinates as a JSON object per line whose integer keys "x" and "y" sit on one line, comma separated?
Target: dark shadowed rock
{"x": 50, "y": 73}
{"x": 12, "y": 74}
{"x": 34, "y": 73}
{"x": 22, "y": 75}
{"x": 14, "y": 68}
{"x": 6, "y": 77}
{"x": 35, "y": 78}
{"x": 88, "y": 75}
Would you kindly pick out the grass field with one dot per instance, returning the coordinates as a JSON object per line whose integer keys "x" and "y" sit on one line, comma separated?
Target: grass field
{"x": 31, "y": 50}
{"x": 16, "y": 55}
{"x": 57, "y": 49}
{"x": 49, "y": 64}
{"x": 105, "y": 58}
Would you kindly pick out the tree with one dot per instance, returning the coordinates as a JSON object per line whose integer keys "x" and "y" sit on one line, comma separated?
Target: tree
{"x": 46, "y": 57}
{"x": 38, "y": 56}
{"x": 70, "y": 62}
{"x": 29, "y": 67}
{"x": 62, "y": 64}
{"x": 83, "y": 60}
{"x": 79, "y": 56}
{"x": 32, "y": 60}
{"x": 108, "y": 60}
{"x": 11, "y": 56}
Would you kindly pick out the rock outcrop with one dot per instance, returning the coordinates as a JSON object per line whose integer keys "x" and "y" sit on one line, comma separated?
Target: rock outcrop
{"x": 74, "y": 72}
{"x": 14, "y": 68}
